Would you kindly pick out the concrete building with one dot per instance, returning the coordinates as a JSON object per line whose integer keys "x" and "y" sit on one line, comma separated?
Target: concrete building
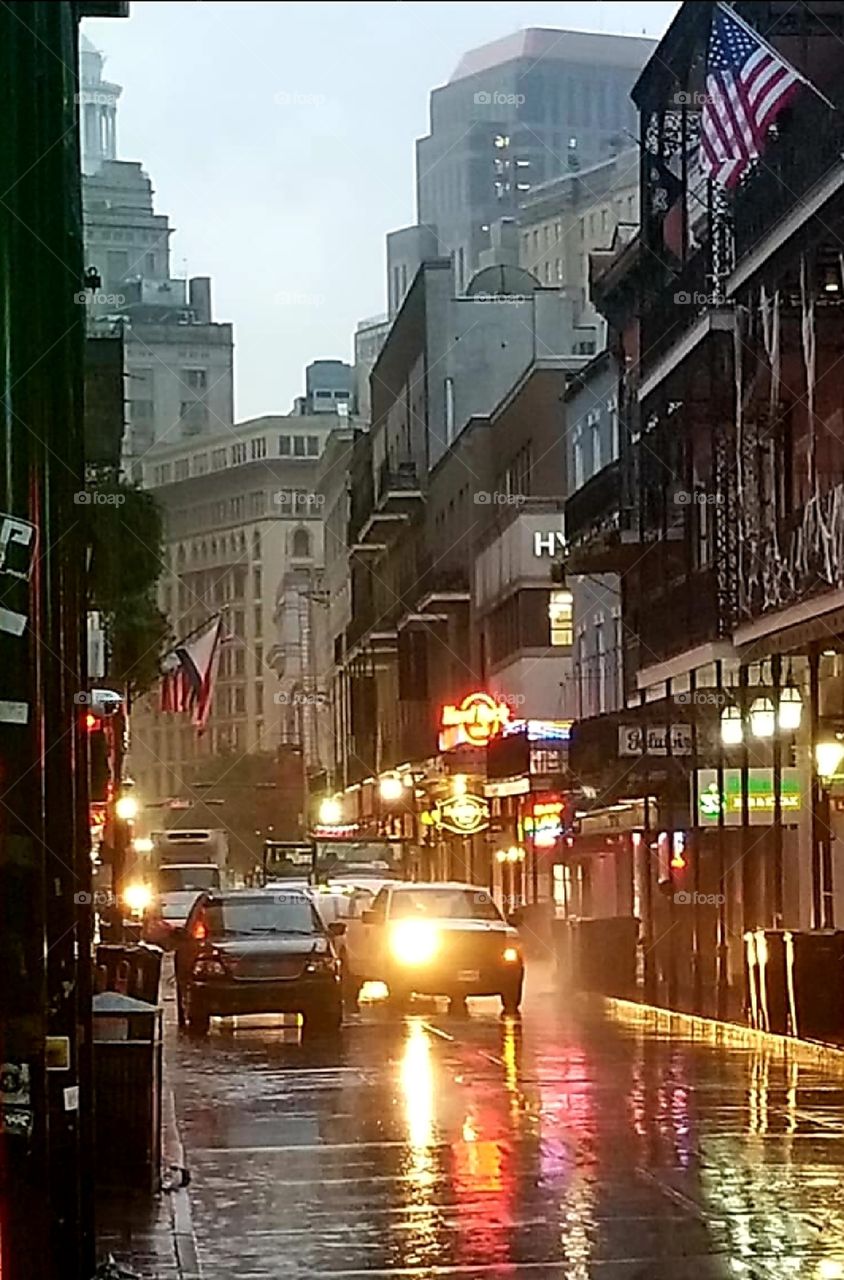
{"x": 407, "y": 249}
{"x": 369, "y": 338}
{"x": 563, "y": 221}
{"x": 243, "y": 534}
{"x": 516, "y": 113}
{"x": 179, "y": 361}
{"x": 97, "y": 109}
{"x": 328, "y": 385}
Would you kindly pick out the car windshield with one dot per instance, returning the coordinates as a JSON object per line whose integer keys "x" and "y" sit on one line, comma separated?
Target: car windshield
{"x": 186, "y": 879}
{"x": 445, "y": 904}
{"x": 274, "y": 914}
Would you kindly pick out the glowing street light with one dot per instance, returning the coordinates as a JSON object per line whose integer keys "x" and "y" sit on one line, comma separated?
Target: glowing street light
{"x": 126, "y": 808}
{"x": 391, "y": 788}
{"x": 731, "y": 730}
{"x": 763, "y": 720}
{"x": 330, "y": 812}
{"x": 828, "y": 757}
{"x": 791, "y": 709}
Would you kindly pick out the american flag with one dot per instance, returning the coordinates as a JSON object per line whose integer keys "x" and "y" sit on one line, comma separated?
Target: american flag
{"x": 747, "y": 85}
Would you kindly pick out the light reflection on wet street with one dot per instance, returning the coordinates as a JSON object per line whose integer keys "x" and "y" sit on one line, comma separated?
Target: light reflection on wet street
{"x": 569, "y": 1145}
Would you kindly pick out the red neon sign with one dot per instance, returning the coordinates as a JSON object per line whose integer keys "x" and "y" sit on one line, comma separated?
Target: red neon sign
{"x": 478, "y": 718}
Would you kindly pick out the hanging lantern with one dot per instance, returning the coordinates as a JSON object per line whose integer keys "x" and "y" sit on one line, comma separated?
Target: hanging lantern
{"x": 731, "y": 728}
{"x": 763, "y": 720}
{"x": 791, "y": 708}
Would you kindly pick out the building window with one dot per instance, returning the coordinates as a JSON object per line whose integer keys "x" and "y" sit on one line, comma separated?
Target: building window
{"x": 196, "y": 379}
{"x": 238, "y": 454}
{"x": 594, "y": 422}
{"x": 256, "y": 583}
{"x": 200, "y": 464}
{"x": 301, "y": 544}
{"x": 193, "y": 415}
{"x": 449, "y": 410}
{"x": 559, "y": 270}
{"x": 259, "y": 448}
{"x": 299, "y": 449}
{"x": 240, "y": 700}
{"x": 285, "y": 446}
{"x": 560, "y": 618}
{"x": 577, "y": 449}
{"x": 240, "y": 662}
{"x": 218, "y": 459}
{"x": 256, "y": 544}
{"x": 259, "y": 620}
{"x": 259, "y": 658}
{"x": 182, "y": 469}
{"x": 237, "y": 626}
{"x": 259, "y": 695}
{"x": 312, "y": 445}
{"x": 615, "y": 444}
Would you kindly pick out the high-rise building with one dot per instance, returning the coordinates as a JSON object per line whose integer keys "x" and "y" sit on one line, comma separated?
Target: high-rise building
{"x": 179, "y": 361}
{"x": 517, "y": 112}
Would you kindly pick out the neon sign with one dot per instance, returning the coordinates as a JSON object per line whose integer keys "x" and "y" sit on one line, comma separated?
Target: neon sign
{"x": 478, "y": 718}
{"x": 464, "y": 815}
{"x": 545, "y": 823}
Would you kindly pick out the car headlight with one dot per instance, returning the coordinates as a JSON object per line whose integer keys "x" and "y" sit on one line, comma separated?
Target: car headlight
{"x": 510, "y": 955}
{"x": 138, "y": 897}
{"x": 321, "y": 964}
{"x": 414, "y": 941}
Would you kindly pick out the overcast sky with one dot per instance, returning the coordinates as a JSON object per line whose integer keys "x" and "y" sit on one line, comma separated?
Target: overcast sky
{"x": 279, "y": 139}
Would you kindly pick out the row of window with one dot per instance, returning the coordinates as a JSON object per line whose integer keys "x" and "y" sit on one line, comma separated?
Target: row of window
{"x": 535, "y": 619}
{"x": 195, "y": 413}
{"x": 594, "y": 445}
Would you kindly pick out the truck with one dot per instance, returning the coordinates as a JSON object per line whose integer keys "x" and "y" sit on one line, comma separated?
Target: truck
{"x": 181, "y": 864}
{"x": 318, "y": 860}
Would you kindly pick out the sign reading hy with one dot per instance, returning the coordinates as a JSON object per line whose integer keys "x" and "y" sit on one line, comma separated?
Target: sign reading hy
{"x": 633, "y": 740}
{"x": 760, "y": 797}
{"x": 549, "y": 544}
{"x": 478, "y": 718}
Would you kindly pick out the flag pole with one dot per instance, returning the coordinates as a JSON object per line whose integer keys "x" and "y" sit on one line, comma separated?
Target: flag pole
{"x": 760, "y": 39}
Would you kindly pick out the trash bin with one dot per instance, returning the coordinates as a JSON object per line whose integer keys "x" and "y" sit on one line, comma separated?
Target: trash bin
{"x": 815, "y": 965}
{"x": 131, "y": 969}
{"x": 127, "y": 1092}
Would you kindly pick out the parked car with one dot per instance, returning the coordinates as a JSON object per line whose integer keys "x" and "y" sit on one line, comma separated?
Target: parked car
{"x": 258, "y": 951}
{"x": 445, "y": 939}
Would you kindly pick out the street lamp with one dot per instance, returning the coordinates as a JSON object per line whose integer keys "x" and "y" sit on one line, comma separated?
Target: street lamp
{"x": 763, "y": 720}
{"x": 731, "y": 733}
{"x": 330, "y": 812}
{"x": 391, "y": 788}
{"x": 126, "y": 808}
{"x": 791, "y": 709}
{"x": 828, "y": 757}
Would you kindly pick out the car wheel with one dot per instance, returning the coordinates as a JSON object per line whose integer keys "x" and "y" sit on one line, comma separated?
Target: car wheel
{"x": 198, "y": 1018}
{"x": 511, "y": 999}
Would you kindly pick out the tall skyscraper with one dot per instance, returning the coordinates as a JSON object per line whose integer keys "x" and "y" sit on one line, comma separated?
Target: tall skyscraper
{"x": 517, "y": 112}
{"x": 179, "y": 360}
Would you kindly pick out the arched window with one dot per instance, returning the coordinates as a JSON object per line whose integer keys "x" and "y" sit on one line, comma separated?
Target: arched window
{"x": 301, "y": 544}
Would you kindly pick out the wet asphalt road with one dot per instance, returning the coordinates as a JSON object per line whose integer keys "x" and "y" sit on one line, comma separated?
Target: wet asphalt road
{"x": 571, "y": 1145}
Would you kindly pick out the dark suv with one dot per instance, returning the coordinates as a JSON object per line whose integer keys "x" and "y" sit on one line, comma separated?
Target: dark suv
{"x": 258, "y": 951}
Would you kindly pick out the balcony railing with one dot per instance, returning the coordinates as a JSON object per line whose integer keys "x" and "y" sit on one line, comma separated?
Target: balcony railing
{"x": 594, "y": 507}
{"x": 400, "y": 479}
{"x": 668, "y": 312}
{"x": 803, "y": 558}
{"x": 808, "y": 148}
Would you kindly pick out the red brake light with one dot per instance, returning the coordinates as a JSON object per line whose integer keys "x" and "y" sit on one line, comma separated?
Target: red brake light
{"x": 200, "y": 931}
{"x": 91, "y": 722}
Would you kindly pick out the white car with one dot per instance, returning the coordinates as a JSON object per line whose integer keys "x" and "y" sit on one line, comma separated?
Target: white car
{"x": 347, "y": 900}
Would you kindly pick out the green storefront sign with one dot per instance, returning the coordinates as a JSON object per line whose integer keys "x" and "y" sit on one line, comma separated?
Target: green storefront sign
{"x": 760, "y": 797}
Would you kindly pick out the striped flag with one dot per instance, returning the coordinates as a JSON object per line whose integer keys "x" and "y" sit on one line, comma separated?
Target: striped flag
{"x": 747, "y": 85}
{"x": 189, "y": 672}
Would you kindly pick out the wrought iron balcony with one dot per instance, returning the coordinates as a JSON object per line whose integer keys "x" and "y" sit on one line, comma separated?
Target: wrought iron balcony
{"x": 806, "y": 154}
{"x": 398, "y": 485}
{"x": 801, "y": 559}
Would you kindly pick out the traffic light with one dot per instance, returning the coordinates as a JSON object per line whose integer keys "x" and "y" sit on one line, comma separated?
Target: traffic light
{"x": 99, "y": 764}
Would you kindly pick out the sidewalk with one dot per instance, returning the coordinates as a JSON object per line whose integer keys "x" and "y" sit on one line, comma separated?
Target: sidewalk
{"x": 152, "y": 1237}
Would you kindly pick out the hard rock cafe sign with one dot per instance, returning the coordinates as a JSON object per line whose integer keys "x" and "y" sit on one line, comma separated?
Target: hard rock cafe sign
{"x": 464, "y": 815}
{"x": 471, "y": 724}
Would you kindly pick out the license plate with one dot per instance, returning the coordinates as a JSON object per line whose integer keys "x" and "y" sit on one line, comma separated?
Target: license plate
{"x": 468, "y": 975}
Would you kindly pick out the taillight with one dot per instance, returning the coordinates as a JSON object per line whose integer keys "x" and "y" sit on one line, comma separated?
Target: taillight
{"x": 209, "y": 967}
{"x": 200, "y": 931}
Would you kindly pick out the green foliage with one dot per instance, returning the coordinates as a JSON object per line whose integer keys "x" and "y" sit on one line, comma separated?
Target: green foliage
{"x": 126, "y": 541}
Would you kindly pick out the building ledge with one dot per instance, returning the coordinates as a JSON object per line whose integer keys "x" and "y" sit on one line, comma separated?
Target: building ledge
{"x": 683, "y": 663}
{"x": 782, "y": 629}
{"x": 714, "y": 321}
{"x": 805, "y": 208}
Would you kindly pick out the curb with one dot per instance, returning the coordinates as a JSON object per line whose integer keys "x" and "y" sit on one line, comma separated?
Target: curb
{"x": 181, "y": 1219}
{"x": 730, "y": 1034}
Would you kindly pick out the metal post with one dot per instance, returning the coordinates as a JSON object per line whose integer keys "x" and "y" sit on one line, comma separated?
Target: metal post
{"x": 816, "y": 827}
{"x": 693, "y": 844}
{"x": 775, "y": 904}
{"x": 723, "y": 979}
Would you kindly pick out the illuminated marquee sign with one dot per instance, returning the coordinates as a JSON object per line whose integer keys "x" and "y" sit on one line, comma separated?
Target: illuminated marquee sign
{"x": 478, "y": 718}
{"x": 464, "y": 815}
{"x": 545, "y": 822}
